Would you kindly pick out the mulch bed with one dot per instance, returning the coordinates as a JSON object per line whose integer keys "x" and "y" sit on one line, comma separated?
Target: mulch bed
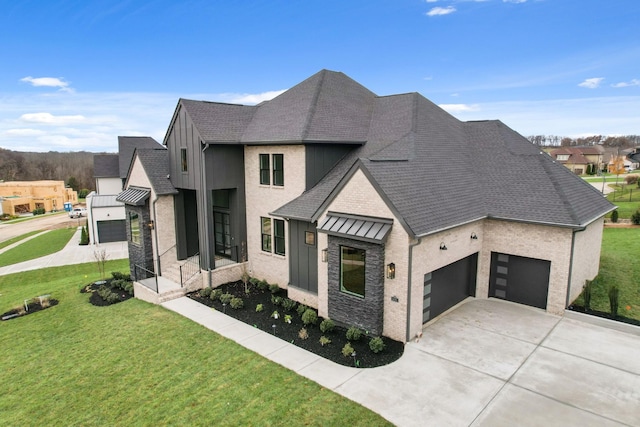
{"x": 364, "y": 358}
{"x": 34, "y": 307}
{"x": 97, "y": 300}
{"x": 604, "y": 315}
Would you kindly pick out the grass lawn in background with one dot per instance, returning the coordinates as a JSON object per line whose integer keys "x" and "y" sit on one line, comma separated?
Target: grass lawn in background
{"x": 135, "y": 363}
{"x": 18, "y": 238}
{"x": 40, "y": 246}
{"x": 619, "y": 265}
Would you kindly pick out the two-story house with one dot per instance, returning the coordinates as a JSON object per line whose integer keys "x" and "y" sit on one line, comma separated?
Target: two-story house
{"x": 354, "y": 203}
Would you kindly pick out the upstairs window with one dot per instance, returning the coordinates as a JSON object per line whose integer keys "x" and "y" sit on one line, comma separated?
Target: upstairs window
{"x": 265, "y": 170}
{"x": 278, "y": 170}
{"x": 184, "y": 165}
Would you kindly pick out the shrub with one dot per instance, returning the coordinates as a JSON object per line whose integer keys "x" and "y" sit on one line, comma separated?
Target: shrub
{"x": 109, "y": 296}
{"x": 303, "y": 334}
{"x": 354, "y": 333}
{"x": 309, "y": 317}
{"x": 614, "y": 293}
{"x": 120, "y": 276}
{"x": 635, "y": 218}
{"x": 347, "y": 350}
{"x": 327, "y": 325}
{"x": 236, "y": 303}
{"x": 273, "y": 288}
{"x": 614, "y": 216}
{"x": 205, "y": 292}
{"x": 275, "y": 314}
{"x": 254, "y": 281}
{"x": 301, "y": 309}
{"x": 259, "y": 308}
{"x": 263, "y": 285}
{"x": 276, "y": 300}
{"x": 82, "y": 193}
{"x": 324, "y": 341}
{"x": 288, "y": 304}
{"x": 376, "y": 345}
{"x": 287, "y": 318}
{"x": 215, "y": 294}
{"x": 631, "y": 179}
{"x": 84, "y": 237}
{"x": 226, "y": 298}
{"x": 38, "y": 211}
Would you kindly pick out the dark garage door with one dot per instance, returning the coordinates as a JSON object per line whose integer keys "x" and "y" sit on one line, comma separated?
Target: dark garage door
{"x": 447, "y": 286}
{"x": 519, "y": 279}
{"x": 112, "y": 231}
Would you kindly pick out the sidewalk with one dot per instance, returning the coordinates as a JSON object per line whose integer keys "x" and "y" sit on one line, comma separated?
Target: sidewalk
{"x": 72, "y": 253}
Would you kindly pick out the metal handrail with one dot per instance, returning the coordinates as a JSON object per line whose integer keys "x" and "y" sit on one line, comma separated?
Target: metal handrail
{"x": 153, "y": 274}
{"x": 189, "y": 269}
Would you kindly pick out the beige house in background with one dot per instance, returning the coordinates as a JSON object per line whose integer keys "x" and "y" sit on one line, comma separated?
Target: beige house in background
{"x": 20, "y": 197}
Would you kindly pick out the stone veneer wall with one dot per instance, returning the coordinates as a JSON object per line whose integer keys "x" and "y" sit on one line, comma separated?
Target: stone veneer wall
{"x": 141, "y": 254}
{"x": 351, "y": 310}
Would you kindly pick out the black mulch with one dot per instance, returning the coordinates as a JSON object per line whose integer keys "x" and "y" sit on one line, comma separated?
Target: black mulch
{"x": 97, "y": 300}
{"x": 34, "y": 307}
{"x": 364, "y": 357}
{"x": 605, "y": 315}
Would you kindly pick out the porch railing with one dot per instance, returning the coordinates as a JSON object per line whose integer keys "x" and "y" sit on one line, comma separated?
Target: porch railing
{"x": 232, "y": 258}
{"x": 189, "y": 269}
{"x": 146, "y": 277}
{"x": 168, "y": 257}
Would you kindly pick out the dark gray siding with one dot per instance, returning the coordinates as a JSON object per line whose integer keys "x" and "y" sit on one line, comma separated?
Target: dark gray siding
{"x": 303, "y": 258}
{"x": 366, "y": 313}
{"x": 183, "y": 134}
{"x": 320, "y": 159}
{"x": 140, "y": 254}
{"x": 186, "y": 224}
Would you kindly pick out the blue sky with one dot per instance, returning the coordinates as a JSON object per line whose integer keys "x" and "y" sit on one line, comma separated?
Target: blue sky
{"x": 76, "y": 74}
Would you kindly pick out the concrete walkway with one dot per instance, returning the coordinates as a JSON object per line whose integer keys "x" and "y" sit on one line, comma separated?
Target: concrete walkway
{"x": 486, "y": 363}
{"x": 72, "y": 253}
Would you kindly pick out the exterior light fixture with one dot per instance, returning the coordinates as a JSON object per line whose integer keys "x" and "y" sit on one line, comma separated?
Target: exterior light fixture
{"x": 474, "y": 236}
{"x": 325, "y": 255}
{"x": 151, "y": 224}
{"x": 443, "y": 247}
{"x": 391, "y": 271}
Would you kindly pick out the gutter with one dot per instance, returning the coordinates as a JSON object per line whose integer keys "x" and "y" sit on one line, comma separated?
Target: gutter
{"x": 411, "y": 246}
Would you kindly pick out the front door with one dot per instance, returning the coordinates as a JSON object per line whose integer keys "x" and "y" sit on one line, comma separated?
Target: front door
{"x": 222, "y": 227}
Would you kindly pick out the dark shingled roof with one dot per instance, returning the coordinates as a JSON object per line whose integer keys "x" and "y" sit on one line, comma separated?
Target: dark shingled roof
{"x": 106, "y": 166}
{"x": 433, "y": 170}
{"x": 156, "y": 166}
{"x": 127, "y": 145}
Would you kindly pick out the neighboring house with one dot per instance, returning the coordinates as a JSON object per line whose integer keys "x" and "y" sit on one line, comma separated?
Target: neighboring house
{"x": 106, "y": 216}
{"x": 354, "y": 202}
{"x": 22, "y": 197}
{"x": 577, "y": 159}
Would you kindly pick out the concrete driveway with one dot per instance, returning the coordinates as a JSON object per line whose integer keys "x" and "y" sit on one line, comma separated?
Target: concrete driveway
{"x": 494, "y": 363}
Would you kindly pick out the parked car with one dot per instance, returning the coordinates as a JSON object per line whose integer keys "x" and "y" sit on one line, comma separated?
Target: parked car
{"x": 77, "y": 212}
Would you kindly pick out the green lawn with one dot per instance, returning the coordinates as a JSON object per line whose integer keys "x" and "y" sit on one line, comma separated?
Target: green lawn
{"x": 619, "y": 265}
{"x": 18, "y": 238}
{"x": 627, "y": 198}
{"x": 136, "y": 363}
{"x": 47, "y": 244}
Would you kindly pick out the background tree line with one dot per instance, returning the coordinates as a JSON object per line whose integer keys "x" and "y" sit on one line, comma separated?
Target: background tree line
{"x": 624, "y": 141}
{"x": 74, "y": 168}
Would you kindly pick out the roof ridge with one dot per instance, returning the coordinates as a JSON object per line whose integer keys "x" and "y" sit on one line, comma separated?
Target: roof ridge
{"x": 314, "y": 103}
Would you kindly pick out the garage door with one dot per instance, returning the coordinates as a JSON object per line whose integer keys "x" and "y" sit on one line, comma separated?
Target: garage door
{"x": 519, "y": 279}
{"x": 447, "y": 286}
{"x": 112, "y": 231}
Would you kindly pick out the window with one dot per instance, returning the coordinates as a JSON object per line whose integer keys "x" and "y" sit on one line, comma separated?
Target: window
{"x": 266, "y": 233}
{"x": 278, "y": 170}
{"x": 278, "y": 236}
{"x": 310, "y": 238}
{"x": 134, "y": 224}
{"x": 562, "y": 157}
{"x": 183, "y": 160}
{"x": 265, "y": 170}
{"x": 352, "y": 267}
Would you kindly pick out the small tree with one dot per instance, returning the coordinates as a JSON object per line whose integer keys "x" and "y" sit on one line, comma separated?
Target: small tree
{"x": 245, "y": 272}
{"x": 614, "y": 293}
{"x": 101, "y": 259}
{"x": 73, "y": 183}
{"x": 614, "y": 216}
{"x": 84, "y": 237}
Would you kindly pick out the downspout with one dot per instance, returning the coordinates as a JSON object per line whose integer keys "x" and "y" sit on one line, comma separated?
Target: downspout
{"x": 411, "y": 246}
{"x": 155, "y": 233}
{"x": 573, "y": 245}
{"x": 203, "y": 209}
{"x": 92, "y": 228}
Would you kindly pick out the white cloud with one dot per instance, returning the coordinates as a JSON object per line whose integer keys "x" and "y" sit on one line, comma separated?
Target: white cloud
{"x": 251, "y": 99}
{"x": 458, "y": 108}
{"x": 432, "y": 1}
{"x": 437, "y": 11}
{"x": 592, "y": 83}
{"x": 48, "y": 82}
{"x": 24, "y": 132}
{"x": 514, "y": 1}
{"x": 50, "y": 119}
{"x": 633, "y": 82}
